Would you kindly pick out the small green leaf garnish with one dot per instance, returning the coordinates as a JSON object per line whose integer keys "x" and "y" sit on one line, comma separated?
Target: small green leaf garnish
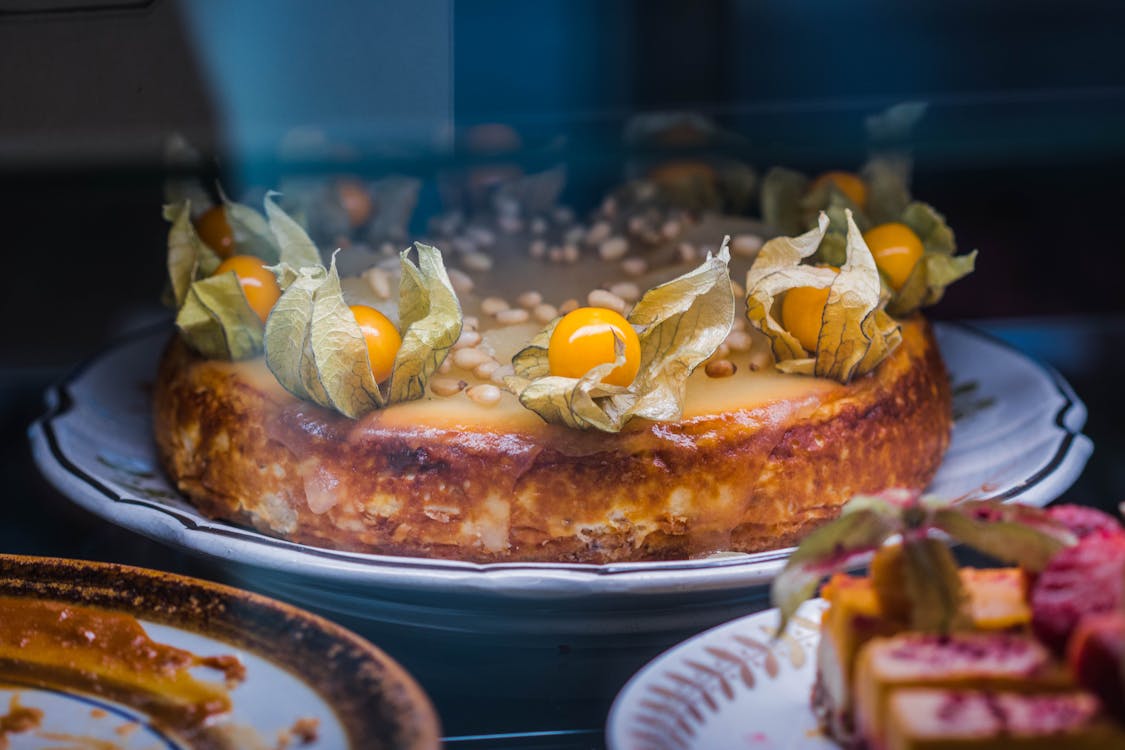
{"x": 1014, "y": 533}
{"x": 315, "y": 349}
{"x": 679, "y": 324}
{"x": 938, "y": 267}
{"x": 855, "y": 333}
{"x": 933, "y": 586}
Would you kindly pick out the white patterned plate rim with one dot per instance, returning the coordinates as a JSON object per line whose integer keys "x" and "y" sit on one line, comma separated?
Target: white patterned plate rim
{"x": 733, "y": 686}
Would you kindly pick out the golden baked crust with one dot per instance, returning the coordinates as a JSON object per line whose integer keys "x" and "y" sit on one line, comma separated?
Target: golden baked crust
{"x": 746, "y": 479}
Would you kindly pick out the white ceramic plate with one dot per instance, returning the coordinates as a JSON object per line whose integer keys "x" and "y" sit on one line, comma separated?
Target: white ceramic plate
{"x": 730, "y": 687}
{"x": 1018, "y": 437}
{"x": 298, "y": 668}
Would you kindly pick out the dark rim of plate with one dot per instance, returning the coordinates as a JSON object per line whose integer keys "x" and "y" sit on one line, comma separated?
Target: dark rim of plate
{"x": 376, "y": 701}
{"x": 61, "y": 402}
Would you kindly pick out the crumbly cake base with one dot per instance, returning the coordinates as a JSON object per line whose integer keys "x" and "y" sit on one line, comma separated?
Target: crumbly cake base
{"x": 747, "y": 479}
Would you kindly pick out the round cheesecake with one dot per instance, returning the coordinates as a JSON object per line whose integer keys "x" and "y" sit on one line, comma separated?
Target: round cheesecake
{"x": 758, "y": 458}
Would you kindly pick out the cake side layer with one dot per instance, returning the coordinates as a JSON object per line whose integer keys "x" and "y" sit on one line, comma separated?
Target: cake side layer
{"x": 754, "y": 477}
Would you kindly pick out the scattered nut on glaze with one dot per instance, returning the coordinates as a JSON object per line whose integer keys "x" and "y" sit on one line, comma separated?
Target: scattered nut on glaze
{"x": 477, "y": 261}
{"x": 545, "y": 313}
{"x": 493, "y": 305}
{"x": 501, "y": 372}
{"x": 746, "y": 245}
{"x": 529, "y": 300}
{"x": 485, "y": 370}
{"x": 461, "y": 282}
{"x": 614, "y": 248}
{"x": 739, "y": 341}
{"x": 569, "y": 306}
{"x": 604, "y": 298}
{"x": 626, "y": 290}
{"x": 720, "y": 368}
{"x": 485, "y": 394}
{"x": 447, "y": 386}
{"x": 469, "y": 359}
{"x": 468, "y": 338}
{"x": 513, "y": 316}
{"x": 598, "y": 233}
{"x": 634, "y": 266}
{"x": 379, "y": 281}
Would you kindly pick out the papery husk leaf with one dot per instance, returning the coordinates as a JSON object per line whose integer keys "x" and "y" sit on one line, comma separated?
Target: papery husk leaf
{"x": 887, "y": 191}
{"x": 340, "y": 352}
{"x": 295, "y": 247}
{"x": 679, "y": 325}
{"x": 938, "y": 267}
{"x": 314, "y": 346}
{"x": 560, "y": 400}
{"x": 189, "y": 258}
{"x": 777, "y": 269}
{"x": 430, "y": 319}
{"x": 855, "y": 333}
{"x": 1012, "y": 533}
{"x": 833, "y": 248}
{"x": 782, "y": 190}
{"x": 831, "y": 547}
{"x": 933, "y": 586}
{"x": 217, "y": 321}
{"x": 250, "y": 230}
{"x": 829, "y": 198}
{"x": 288, "y": 354}
{"x": 930, "y": 226}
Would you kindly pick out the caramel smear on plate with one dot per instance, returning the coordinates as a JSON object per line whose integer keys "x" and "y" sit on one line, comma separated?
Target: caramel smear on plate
{"x": 69, "y": 647}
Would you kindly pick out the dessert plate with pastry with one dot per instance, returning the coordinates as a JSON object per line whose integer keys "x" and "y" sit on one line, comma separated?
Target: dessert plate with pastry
{"x": 109, "y": 656}
{"x": 652, "y": 413}
{"x": 919, "y": 653}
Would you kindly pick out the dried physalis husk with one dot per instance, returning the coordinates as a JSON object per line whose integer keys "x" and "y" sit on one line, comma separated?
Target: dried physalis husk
{"x": 855, "y": 333}
{"x": 792, "y": 203}
{"x": 937, "y": 268}
{"x": 679, "y": 325}
{"x": 1012, "y": 533}
{"x": 213, "y": 314}
{"x": 315, "y": 349}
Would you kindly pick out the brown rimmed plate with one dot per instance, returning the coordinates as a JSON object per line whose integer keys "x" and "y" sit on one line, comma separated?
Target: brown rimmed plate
{"x": 307, "y": 682}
